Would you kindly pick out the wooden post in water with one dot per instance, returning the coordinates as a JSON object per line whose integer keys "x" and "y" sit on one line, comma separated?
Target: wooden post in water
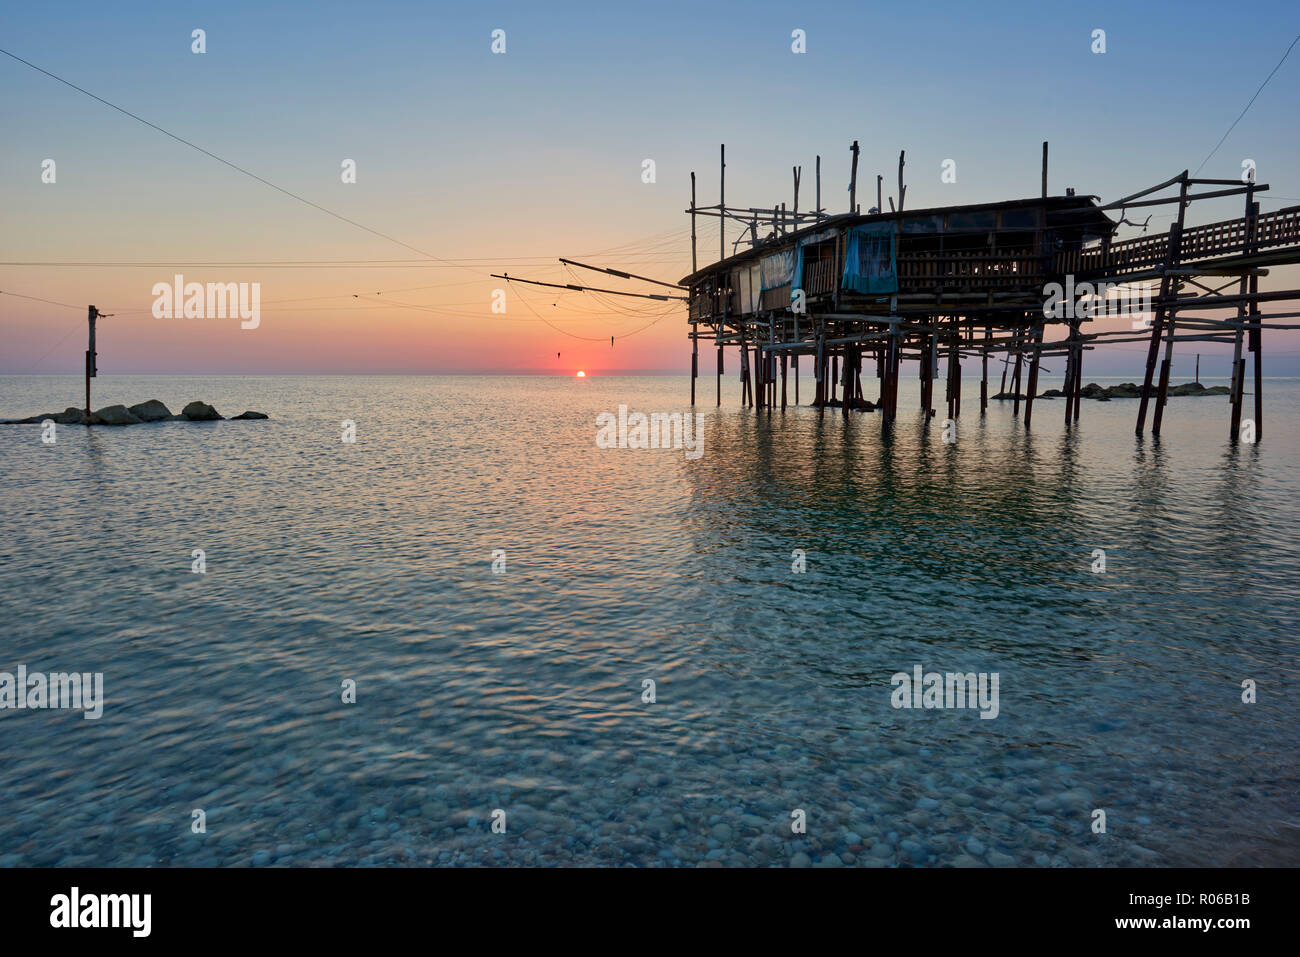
{"x": 819, "y": 374}
{"x": 984, "y": 374}
{"x": 1033, "y": 376}
{"x": 719, "y": 375}
{"x": 695, "y": 365}
{"x": 1078, "y": 380}
{"x": 1166, "y": 365}
{"x": 794, "y": 361}
{"x": 1256, "y": 339}
{"x": 91, "y": 369}
{"x": 1015, "y": 382}
{"x": 1172, "y": 253}
{"x": 784, "y": 370}
{"x": 926, "y": 372}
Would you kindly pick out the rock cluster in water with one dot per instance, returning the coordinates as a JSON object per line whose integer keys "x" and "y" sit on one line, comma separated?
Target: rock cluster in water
{"x": 151, "y": 411}
{"x": 1125, "y": 390}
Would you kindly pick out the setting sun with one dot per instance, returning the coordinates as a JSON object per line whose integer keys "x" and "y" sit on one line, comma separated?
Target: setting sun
{"x": 581, "y": 374}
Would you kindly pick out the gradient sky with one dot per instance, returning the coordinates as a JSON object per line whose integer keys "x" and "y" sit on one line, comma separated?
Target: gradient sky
{"x": 504, "y": 162}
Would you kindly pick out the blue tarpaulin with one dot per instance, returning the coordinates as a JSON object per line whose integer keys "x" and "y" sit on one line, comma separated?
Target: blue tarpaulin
{"x": 869, "y": 263}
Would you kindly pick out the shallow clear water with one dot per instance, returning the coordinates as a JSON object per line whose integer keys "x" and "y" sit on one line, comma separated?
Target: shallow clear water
{"x": 522, "y": 691}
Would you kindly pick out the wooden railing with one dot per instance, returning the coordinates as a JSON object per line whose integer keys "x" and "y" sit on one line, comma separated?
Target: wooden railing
{"x": 1212, "y": 241}
{"x": 819, "y": 277}
{"x": 1007, "y": 268}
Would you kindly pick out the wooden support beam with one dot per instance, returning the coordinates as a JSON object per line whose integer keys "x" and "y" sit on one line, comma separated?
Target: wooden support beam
{"x": 1166, "y": 366}
{"x": 984, "y": 372}
{"x": 1033, "y": 377}
{"x": 1166, "y": 285}
{"x": 1015, "y": 386}
{"x": 719, "y": 375}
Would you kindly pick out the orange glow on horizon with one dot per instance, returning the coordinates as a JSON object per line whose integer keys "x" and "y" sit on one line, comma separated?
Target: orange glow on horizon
{"x": 581, "y": 374}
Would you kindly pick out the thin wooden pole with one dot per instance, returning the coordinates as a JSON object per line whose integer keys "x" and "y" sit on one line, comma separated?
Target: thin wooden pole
{"x": 853, "y": 180}
{"x": 1078, "y": 381}
{"x": 902, "y": 190}
{"x": 1033, "y": 376}
{"x": 984, "y": 373}
{"x": 695, "y": 364}
{"x": 819, "y": 213}
{"x": 719, "y": 375}
{"x": 926, "y": 372}
{"x": 1172, "y": 251}
{"x": 91, "y": 315}
{"x": 1015, "y": 386}
{"x": 1166, "y": 366}
{"x": 1044, "y": 169}
{"x": 722, "y": 203}
{"x": 694, "y": 264}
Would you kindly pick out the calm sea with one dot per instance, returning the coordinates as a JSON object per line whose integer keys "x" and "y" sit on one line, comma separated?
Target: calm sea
{"x": 525, "y": 691}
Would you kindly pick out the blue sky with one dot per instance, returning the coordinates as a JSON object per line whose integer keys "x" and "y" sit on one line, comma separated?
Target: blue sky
{"x": 513, "y": 160}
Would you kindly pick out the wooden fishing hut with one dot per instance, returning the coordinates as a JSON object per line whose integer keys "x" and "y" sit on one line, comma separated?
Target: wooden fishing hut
{"x": 940, "y": 284}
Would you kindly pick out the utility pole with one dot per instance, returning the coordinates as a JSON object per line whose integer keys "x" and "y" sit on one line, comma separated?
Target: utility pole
{"x": 91, "y": 369}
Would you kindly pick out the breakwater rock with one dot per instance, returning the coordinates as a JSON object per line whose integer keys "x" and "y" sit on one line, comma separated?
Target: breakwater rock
{"x": 1125, "y": 390}
{"x": 150, "y": 411}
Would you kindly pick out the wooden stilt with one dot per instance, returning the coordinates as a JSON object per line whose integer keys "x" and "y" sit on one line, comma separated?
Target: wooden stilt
{"x": 984, "y": 372}
{"x": 1015, "y": 386}
{"x": 924, "y": 374}
{"x": 1033, "y": 376}
{"x": 1258, "y": 349}
{"x": 1166, "y": 364}
{"x": 1238, "y": 385}
{"x": 719, "y": 375}
{"x": 956, "y": 380}
{"x": 1078, "y": 380}
{"x": 695, "y": 365}
{"x": 846, "y": 390}
{"x": 1173, "y": 250}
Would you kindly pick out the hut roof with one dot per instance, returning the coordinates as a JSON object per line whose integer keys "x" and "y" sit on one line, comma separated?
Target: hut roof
{"x": 1080, "y": 212}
